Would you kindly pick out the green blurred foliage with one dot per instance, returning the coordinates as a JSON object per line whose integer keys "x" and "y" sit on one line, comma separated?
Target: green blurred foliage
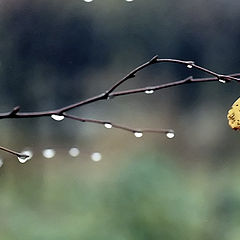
{"x": 146, "y": 197}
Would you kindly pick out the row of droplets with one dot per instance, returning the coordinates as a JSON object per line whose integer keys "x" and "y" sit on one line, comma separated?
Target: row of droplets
{"x": 108, "y": 125}
{"x": 51, "y": 153}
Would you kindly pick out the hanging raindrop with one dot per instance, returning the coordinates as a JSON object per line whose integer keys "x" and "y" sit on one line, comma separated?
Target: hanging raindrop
{"x": 138, "y": 134}
{"x": 189, "y": 66}
{"x": 221, "y": 80}
{"x": 149, "y": 91}
{"x": 57, "y": 117}
{"x": 170, "y": 135}
{"x": 23, "y": 159}
{"x": 26, "y": 155}
{"x": 108, "y": 125}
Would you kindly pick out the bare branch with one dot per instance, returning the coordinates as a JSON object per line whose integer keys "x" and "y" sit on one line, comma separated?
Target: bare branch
{"x": 109, "y": 124}
{"x": 19, "y": 155}
{"x": 60, "y": 113}
{"x": 172, "y": 84}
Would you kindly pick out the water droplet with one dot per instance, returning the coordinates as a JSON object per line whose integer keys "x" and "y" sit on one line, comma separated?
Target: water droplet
{"x": 189, "y": 66}
{"x": 149, "y": 91}
{"x": 74, "y": 152}
{"x": 138, "y": 134}
{"x": 48, "y": 153}
{"x": 27, "y": 155}
{"x": 221, "y": 80}
{"x": 129, "y": 0}
{"x": 108, "y": 125}
{"x": 57, "y": 117}
{"x": 170, "y": 135}
{"x": 23, "y": 159}
{"x": 96, "y": 157}
{"x": 1, "y": 162}
{"x": 87, "y": 0}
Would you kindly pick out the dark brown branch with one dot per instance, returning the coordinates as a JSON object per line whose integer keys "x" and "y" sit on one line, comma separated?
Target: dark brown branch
{"x": 171, "y": 84}
{"x": 115, "y": 94}
{"x": 109, "y": 93}
{"x": 19, "y": 155}
{"x": 14, "y": 113}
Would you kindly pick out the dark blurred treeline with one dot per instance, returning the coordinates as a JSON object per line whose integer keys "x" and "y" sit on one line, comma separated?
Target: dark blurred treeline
{"x": 47, "y": 46}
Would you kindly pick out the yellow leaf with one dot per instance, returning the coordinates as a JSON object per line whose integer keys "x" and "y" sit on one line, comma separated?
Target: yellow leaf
{"x": 234, "y": 115}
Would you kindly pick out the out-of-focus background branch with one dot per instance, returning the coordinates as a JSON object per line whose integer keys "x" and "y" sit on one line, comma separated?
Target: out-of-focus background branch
{"x": 54, "y": 53}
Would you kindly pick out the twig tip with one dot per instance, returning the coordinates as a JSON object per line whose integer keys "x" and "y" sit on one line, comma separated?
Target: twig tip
{"x": 15, "y": 110}
{"x": 188, "y": 79}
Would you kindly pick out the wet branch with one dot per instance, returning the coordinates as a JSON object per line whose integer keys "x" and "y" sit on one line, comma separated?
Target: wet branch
{"x": 110, "y": 93}
{"x": 108, "y": 124}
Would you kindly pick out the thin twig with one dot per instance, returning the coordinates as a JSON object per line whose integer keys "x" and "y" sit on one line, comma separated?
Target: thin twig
{"x": 109, "y": 124}
{"x": 20, "y": 155}
{"x": 171, "y": 84}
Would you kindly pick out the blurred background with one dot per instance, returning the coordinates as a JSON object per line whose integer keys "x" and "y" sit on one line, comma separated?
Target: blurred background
{"x": 57, "y": 52}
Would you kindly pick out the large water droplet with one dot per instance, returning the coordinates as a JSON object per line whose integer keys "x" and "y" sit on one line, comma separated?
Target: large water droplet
{"x": 189, "y": 66}
{"x": 57, "y": 117}
{"x": 129, "y": 0}
{"x": 149, "y": 91}
{"x": 170, "y": 135}
{"x": 1, "y": 162}
{"x": 48, "y": 153}
{"x": 96, "y": 157}
{"x": 108, "y": 125}
{"x": 23, "y": 159}
{"x": 138, "y": 134}
{"x": 26, "y": 155}
{"x": 87, "y": 0}
{"x": 74, "y": 152}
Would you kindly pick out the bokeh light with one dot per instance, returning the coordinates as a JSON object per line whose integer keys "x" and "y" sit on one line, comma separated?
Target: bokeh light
{"x": 96, "y": 157}
{"x": 74, "y": 152}
{"x": 48, "y": 153}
